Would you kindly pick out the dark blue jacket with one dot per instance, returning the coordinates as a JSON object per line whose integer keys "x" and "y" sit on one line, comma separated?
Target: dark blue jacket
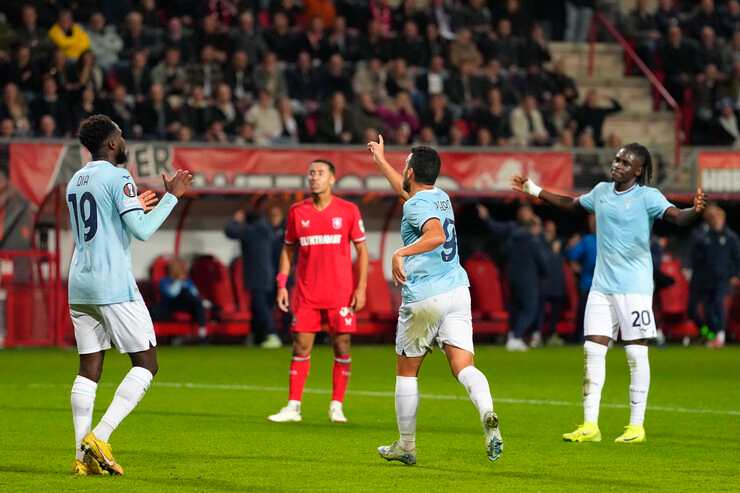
{"x": 524, "y": 259}
{"x": 584, "y": 252}
{"x": 714, "y": 257}
{"x": 257, "y": 239}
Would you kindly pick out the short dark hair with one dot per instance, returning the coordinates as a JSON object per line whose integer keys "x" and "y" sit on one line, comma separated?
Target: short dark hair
{"x": 94, "y": 131}
{"x": 329, "y": 164}
{"x": 426, "y": 164}
{"x": 641, "y": 152}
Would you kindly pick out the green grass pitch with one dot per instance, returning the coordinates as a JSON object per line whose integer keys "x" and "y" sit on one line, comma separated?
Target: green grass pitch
{"x": 202, "y": 425}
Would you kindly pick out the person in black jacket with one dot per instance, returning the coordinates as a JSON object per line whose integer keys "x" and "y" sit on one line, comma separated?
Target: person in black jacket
{"x": 524, "y": 267}
{"x": 257, "y": 237}
{"x": 715, "y": 264}
{"x": 590, "y": 115}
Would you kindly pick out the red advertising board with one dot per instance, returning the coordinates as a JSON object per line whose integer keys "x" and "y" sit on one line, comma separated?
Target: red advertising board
{"x": 719, "y": 171}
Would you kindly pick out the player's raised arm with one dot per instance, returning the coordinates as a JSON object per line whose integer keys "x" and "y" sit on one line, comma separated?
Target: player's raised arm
{"x": 394, "y": 177}
{"x": 525, "y": 185}
{"x": 684, "y": 217}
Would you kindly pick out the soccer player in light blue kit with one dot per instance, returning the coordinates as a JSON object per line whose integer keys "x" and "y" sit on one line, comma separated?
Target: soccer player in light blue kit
{"x": 436, "y": 300}
{"x": 104, "y": 301}
{"x": 621, "y": 297}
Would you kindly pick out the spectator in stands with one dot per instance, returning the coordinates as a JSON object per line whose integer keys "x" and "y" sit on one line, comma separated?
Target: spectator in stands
{"x": 225, "y": 110}
{"x": 247, "y": 38}
{"x": 727, "y": 126}
{"x": 170, "y": 72}
{"x": 581, "y": 252}
{"x": 591, "y": 115}
{"x": 731, "y": 87}
{"x": 137, "y": 79}
{"x": 213, "y": 34}
{"x": 711, "y": 50}
{"x": 494, "y": 117}
{"x": 121, "y": 109}
{"x": 706, "y": 97}
{"x": 48, "y": 128}
{"x": 411, "y": 47}
{"x": 527, "y": 124}
{"x": 465, "y": 88}
{"x": 68, "y": 36}
{"x": 104, "y": 41}
{"x": 178, "y": 293}
{"x": 7, "y": 128}
{"x": 335, "y": 124}
{"x": 14, "y": 107}
{"x": 706, "y": 15}
{"x": 464, "y": 50}
{"x": 563, "y": 83}
{"x": 294, "y": 128}
{"x": 438, "y": 117}
{"x": 87, "y": 106}
{"x": 24, "y": 72}
{"x": 257, "y": 237}
{"x": 335, "y": 78}
{"x": 666, "y": 15}
{"x": 137, "y": 37}
{"x": 679, "y": 61}
{"x": 730, "y": 18}
{"x": 343, "y": 41}
{"x": 399, "y": 78}
{"x": 714, "y": 256}
{"x": 365, "y": 115}
{"x": 535, "y": 50}
{"x": 207, "y": 73}
{"x": 33, "y": 35}
{"x": 50, "y": 103}
{"x": 559, "y": 117}
{"x": 399, "y": 112}
{"x": 269, "y": 76}
{"x": 304, "y": 84}
{"x": 433, "y": 80}
{"x": 371, "y": 77}
{"x": 265, "y": 119}
{"x": 641, "y": 28}
{"x": 508, "y": 46}
{"x": 436, "y": 44}
{"x": 178, "y": 36}
{"x": 154, "y": 115}
{"x": 239, "y": 78}
{"x": 279, "y": 39}
{"x": 525, "y": 266}
{"x": 578, "y": 20}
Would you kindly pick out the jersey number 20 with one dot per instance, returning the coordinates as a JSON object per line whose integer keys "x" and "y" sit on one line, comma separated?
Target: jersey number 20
{"x": 86, "y": 212}
{"x": 449, "y": 247}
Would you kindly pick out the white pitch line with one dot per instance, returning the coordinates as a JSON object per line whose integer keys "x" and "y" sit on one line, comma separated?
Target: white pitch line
{"x": 386, "y": 394}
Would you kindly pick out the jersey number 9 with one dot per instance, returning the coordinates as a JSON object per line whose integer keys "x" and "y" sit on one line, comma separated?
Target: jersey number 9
{"x": 86, "y": 212}
{"x": 449, "y": 247}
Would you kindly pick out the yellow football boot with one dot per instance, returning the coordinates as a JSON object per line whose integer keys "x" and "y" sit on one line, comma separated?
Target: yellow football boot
{"x": 79, "y": 468}
{"x": 101, "y": 453}
{"x": 632, "y": 434}
{"x": 587, "y": 432}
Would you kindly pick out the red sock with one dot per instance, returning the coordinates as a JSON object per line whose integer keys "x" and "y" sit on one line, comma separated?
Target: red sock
{"x": 299, "y": 369}
{"x": 342, "y": 371}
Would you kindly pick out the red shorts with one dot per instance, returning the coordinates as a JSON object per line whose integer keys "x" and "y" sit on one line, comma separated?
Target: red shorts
{"x": 338, "y": 320}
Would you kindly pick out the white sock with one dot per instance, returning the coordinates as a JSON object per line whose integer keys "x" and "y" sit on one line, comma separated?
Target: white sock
{"x": 83, "y": 401}
{"x": 637, "y": 357}
{"x": 128, "y": 394}
{"x": 476, "y": 384}
{"x": 407, "y": 402}
{"x": 593, "y": 379}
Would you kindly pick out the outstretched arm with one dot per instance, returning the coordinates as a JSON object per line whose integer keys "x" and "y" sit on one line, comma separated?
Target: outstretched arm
{"x": 527, "y": 186}
{"x": 684, "y": 217}
{"x": 394, "y": 177}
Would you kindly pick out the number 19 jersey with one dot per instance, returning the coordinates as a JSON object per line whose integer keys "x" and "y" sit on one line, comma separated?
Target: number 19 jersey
{"x": 98, "y": 195}
{"x": 437, "y": 271}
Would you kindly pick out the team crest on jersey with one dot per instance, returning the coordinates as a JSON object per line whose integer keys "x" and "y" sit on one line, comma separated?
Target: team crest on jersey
{"x": 336, "y": 222}
{"x": 128, "y": 190}
{"x": 305, "y": 223}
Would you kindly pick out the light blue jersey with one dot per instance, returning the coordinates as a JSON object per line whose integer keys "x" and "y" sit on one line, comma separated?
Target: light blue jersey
{"x": 439, "y": 270}
{"x": 623, "y": 223}
{"x": 104, "y": 211}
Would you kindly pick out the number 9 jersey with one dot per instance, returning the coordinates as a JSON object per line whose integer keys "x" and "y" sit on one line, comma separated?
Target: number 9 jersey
{"x": 438, "y": 271}
{"x": 98, "y": 196}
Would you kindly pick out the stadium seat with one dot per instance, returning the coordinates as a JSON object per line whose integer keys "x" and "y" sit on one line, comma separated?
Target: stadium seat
{"x": 379, "y": 315}
{"x": 241, "y": 294}
{"x": 489, "y": 313}
{"x": 157, "y": 271}
{"x": 213, "y": 281}
{"x": 673, "y": 302}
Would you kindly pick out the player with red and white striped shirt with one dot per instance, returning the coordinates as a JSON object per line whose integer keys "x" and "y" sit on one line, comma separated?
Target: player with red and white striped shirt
{"x": 321, "y": 229}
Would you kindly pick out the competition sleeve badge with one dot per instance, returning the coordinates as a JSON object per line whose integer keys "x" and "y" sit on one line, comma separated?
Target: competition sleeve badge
{"x": 129, "y": 190}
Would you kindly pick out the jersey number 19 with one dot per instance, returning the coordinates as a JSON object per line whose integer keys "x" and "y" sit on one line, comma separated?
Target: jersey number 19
{"x": 86, "y": 212}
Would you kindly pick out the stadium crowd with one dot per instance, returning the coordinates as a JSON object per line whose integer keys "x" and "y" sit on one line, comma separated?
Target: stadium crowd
{"x": 695, "y": 47}
{"x": 269, "y": 72}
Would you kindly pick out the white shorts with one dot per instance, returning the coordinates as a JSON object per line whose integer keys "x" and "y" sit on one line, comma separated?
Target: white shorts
{"x": 127, "y": 325}
{"x": 610, "y": 315}
{"x": 445, "y": 318}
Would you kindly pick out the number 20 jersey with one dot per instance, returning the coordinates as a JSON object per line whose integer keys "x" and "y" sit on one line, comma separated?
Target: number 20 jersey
{"x": 437, "y": 271}
{"x": 98, "y": 195}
